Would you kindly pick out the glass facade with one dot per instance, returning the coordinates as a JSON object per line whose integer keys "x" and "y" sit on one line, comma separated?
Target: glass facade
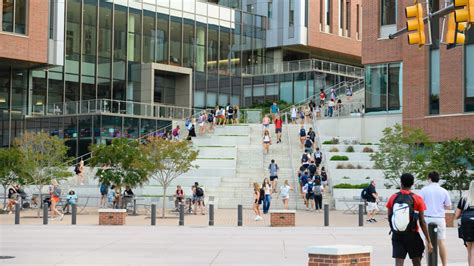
{"x": 383, "y": 87}
{"x": 14, "y": 16}
{"x": 469, "y": 78}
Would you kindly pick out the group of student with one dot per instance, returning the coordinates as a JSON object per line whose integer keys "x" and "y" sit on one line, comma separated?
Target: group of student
{"x": 196, "y": 200}
{"x": 408, "y": 213}
{"x": 113, "y": 197}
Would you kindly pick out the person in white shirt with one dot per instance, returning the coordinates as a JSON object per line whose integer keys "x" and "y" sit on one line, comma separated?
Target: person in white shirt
{"x": 437, "y": 200}
{"x": 293, "y": 114}
{"x": 285, "y": 193}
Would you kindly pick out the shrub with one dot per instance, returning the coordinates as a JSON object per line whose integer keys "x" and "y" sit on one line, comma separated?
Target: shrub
{"x": 350, "y": 186}
{"x": 366, "y": 143}
{"x": 340, "y": 166}
{"x": 345, "y": 177}
{"x": 367, "y": 149}
{"x": 334, "y": 149}
{"x": 350, "y": 166}
{"x": 350, "y": 149}
{"x": 368, "y": 177}
{"x": 327, "y": 142}
{"x": 339, "y": 158}
{"x": 359, "y": 166}
{"x": 332, "y": 141}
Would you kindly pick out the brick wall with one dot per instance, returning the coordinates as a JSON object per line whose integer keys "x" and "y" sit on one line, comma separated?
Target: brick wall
{"x": 332, "y": 41}
{"x": 112, "y": 218}
{"x": 339, "y": 260}
{"x": 34, "y": 46}
{"x": 282, "y": 219}
{"x": 452, "y": 121}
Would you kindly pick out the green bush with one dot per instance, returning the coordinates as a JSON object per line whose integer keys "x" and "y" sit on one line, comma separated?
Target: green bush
{"x": 333, "y": 141}
{"x": 339, "y": 158}
{"x": 367, "y": 149}
{"x": 350, "y": 186}
{"x": 346, "y": 177}
{"x": 350, "y": 149}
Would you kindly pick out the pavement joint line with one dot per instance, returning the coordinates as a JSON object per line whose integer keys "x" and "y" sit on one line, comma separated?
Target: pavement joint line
{"x": 215, "y": 257}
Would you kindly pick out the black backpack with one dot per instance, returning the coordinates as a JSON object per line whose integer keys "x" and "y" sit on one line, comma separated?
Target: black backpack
{"x": 230, "y": 110}
{"x": 324, "y": 177}
{"x": 262, "y": 194}
{"x": 210, "y": 118}
{"x": 199, "y": 192}
{"x": 364, "y": 194}
{"x": 304, "y": 158}
{"x": 403, "y": 219}
{"x": 467, "y": 225}
{"x": 310, "y": 187}
{"x": 77, "y": 170}
{"x": 308, "y": 143}
{"x": 302, "y": 132}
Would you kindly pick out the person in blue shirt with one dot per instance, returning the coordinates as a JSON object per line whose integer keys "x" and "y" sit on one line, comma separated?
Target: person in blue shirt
{"x": 274, "y": 110}
{"x": 71, "y": 200}
{"x": 111, "y": 196}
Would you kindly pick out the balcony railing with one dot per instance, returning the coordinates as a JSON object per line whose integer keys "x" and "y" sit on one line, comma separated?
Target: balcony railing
{"x": 305, "y": 65}
{"x": 107, "y": 106}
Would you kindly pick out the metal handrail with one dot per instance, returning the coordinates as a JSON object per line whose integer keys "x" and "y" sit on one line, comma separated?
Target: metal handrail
{"x": 304, "y": 65}
{"x": 293, "y": 171}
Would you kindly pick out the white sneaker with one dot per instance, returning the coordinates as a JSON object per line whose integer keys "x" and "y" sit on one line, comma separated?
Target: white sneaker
{"x": 256, "y": 218}
{"x": 260, "y": 218}
{"x": 307, "y": 209}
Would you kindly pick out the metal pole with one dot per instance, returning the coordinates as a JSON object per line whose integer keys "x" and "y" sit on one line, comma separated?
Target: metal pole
{"x": 433, "y": 256}
{"x": 17, "y": 213}
{"x": 45, "y": 213}
{"x": 326, "y": 214}
{"x": 361, "y": 214}
{"x": 134, "y": 206}
{"x": 239, "y": 215}
{"x": 211, "y": 214}
{"x": 74, "y": 214}
{"x": 153, "y": 214}
{"x": 181, "y": 215}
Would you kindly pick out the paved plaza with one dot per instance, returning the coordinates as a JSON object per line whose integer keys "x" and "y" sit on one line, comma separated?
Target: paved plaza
{"x": 138, "y": 243}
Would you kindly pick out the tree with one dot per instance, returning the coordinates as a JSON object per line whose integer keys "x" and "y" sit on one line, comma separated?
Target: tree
{"x": 402, "y": 150}
{"x": 44, "y": 159}
{"x": 122, "y": 163}
{"x": 11, "y": 169}
{"x": 452, "y": 159}
{"x": 169, "y": 160}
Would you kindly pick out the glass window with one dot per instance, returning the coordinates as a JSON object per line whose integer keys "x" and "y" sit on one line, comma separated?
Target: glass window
{"x": 162, "y": 38}
{"x": 286, "y": 88}
{"x": 120, "y": 55}
{"x": 348, "y": 19}
{"x": 358, "y": 22}
{"x": 327, "y": 7}
{"x": 383, "y": 87}
{"x": 149, "y": 36}
{"x": 291, "y": 14}
{"x": 469, "y": 74}
{"x": 175, "y": 41}
{"x": 201, "y": 30}
{"x": 212, "y": 48}
{"x": 39, "y": 92}
{"x": 19, "y": 92}
{"x": 105, "y": 41}
{"x": 90, "y": 38}
{"x": 55, "y": 89}
{"x": 134, "y": 35}
{"x": 73, "y": 36}
{"x": 388, "y": 17}
{"x": 434, "y": 82}
{"x": 224, "y": 56}
{"x": 188, "y": 43}
{"x": 270, "y": 14}
{"x": 394, "y": 86}
{"x": 341, "y": 15}
{"x": 300, "y": 90}
{"x": 14, "y": 16}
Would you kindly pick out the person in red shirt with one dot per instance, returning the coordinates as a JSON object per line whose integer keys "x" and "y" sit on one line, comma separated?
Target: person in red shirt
{"x": 409, "y": 241}
{"x": 278, "y": 128}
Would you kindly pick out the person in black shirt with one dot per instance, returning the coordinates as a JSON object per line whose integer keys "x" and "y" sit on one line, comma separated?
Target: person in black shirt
{"x": 312, "y": 168}
{"x": 372, "y": 200}
{"x": 466, "y": 204}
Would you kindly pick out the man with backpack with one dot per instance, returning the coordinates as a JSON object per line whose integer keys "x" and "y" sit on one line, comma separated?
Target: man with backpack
{"x": 308, "y": 189}
{"x": 302, "y": 136}
{"x": 308, "y": 145}
{"x": 230, "y": 114}
{"x": 199, "y": 198}
{"x": 273, "y": 169}
{"x": 318, "y": 156}
{"x": 405, "y": 211}
{"x": 437, "y": 200}
{"x": 369, "y": 195}
{"x": 312, "y": 168}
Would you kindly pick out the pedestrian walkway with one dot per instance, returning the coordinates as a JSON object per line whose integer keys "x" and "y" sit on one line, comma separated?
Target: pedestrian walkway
{"x": 140, "y": 245}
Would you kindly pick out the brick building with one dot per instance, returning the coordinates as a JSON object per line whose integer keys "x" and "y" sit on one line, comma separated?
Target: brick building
{"x": 432, "y": 86}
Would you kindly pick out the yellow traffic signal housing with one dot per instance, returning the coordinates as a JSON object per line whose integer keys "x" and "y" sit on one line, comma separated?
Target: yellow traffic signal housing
{"x": 415, "y": 23}
{"x": 466, "y": 14}
{"x": 455, "y": 31}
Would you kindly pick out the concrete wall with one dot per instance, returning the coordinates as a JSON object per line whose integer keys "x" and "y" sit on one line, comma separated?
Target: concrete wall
{"x": 363, "y": 129}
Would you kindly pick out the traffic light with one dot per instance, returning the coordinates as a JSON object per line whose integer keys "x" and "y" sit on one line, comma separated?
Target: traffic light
{"x": 455, "y": 31}
{"x": 415, "y": 22}
{"x": 465, "y": 14}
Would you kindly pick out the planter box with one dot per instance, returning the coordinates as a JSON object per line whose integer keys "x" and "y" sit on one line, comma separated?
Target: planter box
{"x": 112, "y": 216}
{"x": 282, "y": 218}
{"x": 339, "y": 255}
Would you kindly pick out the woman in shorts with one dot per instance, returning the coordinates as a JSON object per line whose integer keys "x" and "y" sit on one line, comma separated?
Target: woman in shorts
{"x": 267, "y": 141}
{"x": 266, "y": 122}
{"x": 285, "y": 193}
{"x": 257, "y": 201}
{"x": 55, "y": 198}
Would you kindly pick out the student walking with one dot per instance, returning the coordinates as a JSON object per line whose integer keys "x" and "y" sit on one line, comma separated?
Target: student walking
{"x": 175, "y": 133}
{"x": 465, "y": 212}
{"x": 266, "y": 122}
{"x": 278, "y": 128}
{"x": 318, "y": 194}
{"x": 274, "y": 109}
{"x": 308, "y": 189}
{"x": 294, "y": 114}
{"x": 257, "y": 200}
{"x": 55, "y": 192}
{"x": 437, "y": 200}
{"x": 268, "y": 189}
{"x": 267, "y": 141}
{"x": 372, "y": 199}
{"x": 308, "y": 145}
{"x": 302, "y": 136}
{"x": 79, "y": 170}
{"x": 273, "y": 169}
{"x": 104, "y": 190}
{"x": 12, "y": 199}
{"x": 405, "y": 211}
{"x": 285, "y": 193}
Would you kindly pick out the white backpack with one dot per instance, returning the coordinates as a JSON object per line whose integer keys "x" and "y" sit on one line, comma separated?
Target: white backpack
{"x": 403, "y": 215}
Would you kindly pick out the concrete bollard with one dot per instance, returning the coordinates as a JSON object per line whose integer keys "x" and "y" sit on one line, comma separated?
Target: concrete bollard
{"x": 17, "y": 213}
{"x": 45, "y": 213}
{"x": 326, "y": 214}
{"x": 181, "y": 215}
{"x": 211, "y": 214}
{"x": 433, "y": 256}
{"x": 239, "y": 215}
{"x": 361, "y": 214}
{"x": 134, "y": 207}
{"x": 74, "y": 214}
{"x": 153, "y": 214}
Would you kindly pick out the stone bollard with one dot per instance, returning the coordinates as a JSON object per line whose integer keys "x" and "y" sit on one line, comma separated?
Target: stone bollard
{"x": 181, "y": 215}
{"x": 326, "y": 214}
{"x": 17, "y": 213}
{"x": 239, "y": 215}
{"x": 433, "y": 256}
{"x": 211, "y": 214}
{"x": 45, "y": 213}
{"x": 153, "y": 214}
{"x": 361, "y": 214}
{"x": 74, "y": 214}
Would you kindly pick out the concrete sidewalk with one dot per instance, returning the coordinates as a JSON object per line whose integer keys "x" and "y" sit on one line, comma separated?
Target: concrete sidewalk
{"x": 172, "y": 245}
